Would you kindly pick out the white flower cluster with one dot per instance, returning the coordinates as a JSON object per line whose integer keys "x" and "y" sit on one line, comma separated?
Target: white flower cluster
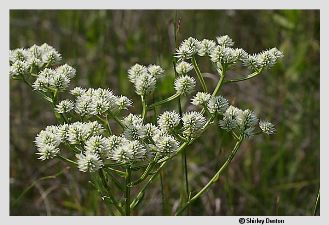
{"x": 50, "y": 79}
{"x": 97, "y": 101}
{"x": 145, "y": 78}
{"x": 23, "y": 61}
{"x": 223, "y": 54}
{"x": 214, "y": 104}
{"x": 265, "y": 59}
{"x": 184, "y": 85}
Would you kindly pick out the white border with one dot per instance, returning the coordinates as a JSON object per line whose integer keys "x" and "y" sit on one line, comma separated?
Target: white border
{"x": 143, "y": 4}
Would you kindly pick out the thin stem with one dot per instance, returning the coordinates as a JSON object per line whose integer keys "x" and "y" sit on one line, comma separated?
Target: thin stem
{"x": 316, "y": 203}
{"x": 106, "y": 123}
{"x": 127, "y": 191}
{"x": 213, "y": 179}
{"x": 185, "y": 175}
{"x": 67, "y": 160}
{"x": 198, "y": 73}
{"x": 163, "y": 201}
{"x": 117, "y": 120}
{"x": 173, "y": 97}
{"x": 252, "y": 75}
{"x": 144, "y": 107}
{"x": 145, "y": 174}
{"x": 108, "y": 190}
{"x": 141, "y": 192}
{"x": 220, "y": 82}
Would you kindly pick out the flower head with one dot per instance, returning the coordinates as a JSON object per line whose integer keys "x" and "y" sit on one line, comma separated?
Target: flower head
{"x": 267, "y": 127}
{"x": 193, "y": 124}
{"x": 155, "y": 71}
{"x": 136, "y": 71}
{"x": 97, "y": 144}
{"x": 145, "y": 84}
{"x": 129, "y": 152}
{"x": 230, "y": 118}
{"x": 66, "y": 70}
{"x": 206, "y": 47}
{"x": 187, "y": 49}
{"x": 18, "y": 69}
{"x": 89, "y": 162}
{"x": 185, "y": 85}
{"x": 201, "y": 98}
{"x": 217, "y": 104}
{"x": 167, "y": 144}
{"x": 19, "y": 54}
{"x": 47, "y": 152}
{"x": 183, "y": 68}
{"x": 64, "y": 106}
{"x": 168, "y": 120}
{"x": 225, "y": 41}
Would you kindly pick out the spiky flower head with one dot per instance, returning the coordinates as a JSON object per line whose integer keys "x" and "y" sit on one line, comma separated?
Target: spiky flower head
{"x": 193, "y": 124}
{"x": 184, "y": 85}
{"x": 230, "y": 118}
{"x": 168, "y": 120}
{"x": 155, "y": 71}
{"x": 225, "y": 41}
{"x": 64, "y": 106}
{"x": 77, "y": 91}
{"x": 134, "y": 129}
{"x": 49, "y": 79}
{"x": 183, "y": 68}
{"x": 218, "y": 104}
{"x": 114, "y": 142}
{"x": 267, "y": 127}
{"x": 19, "y": 54}
{"x": 247, "y": 119}
{"x": 47, "y": 152}
{"x": 97, "y": 144}
{"x": 269, "y": 58}
{"x": 49, "y": 136}
{"x": 201, "y": 99}
{"x": 123, "y": 102}
{"x": 206, "y": 47}
{"x": 187, "y": 49}
{"x": 18, "y": 69}
{"x": 66, "y": 70}
{"x": 150, "y": 130}
{"x": 136, "y": 71}
{"x": 129, "y": 152}
{"x": 50, "y": 56}
{"x": 89, "y": 162}
{"x": 145, "y": 84}
{"x": 167, "y": 144}
{"x": 79, "y": 133}
{"x": 227, "y": 55}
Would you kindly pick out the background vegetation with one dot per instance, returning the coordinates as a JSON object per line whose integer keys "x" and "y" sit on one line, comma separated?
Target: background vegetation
{"x": 276, "y": 175}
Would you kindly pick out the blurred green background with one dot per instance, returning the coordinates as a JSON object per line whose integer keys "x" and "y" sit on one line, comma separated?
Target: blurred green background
{"x": 276, "y": 175}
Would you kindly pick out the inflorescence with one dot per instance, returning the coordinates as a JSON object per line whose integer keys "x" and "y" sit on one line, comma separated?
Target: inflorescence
{"x": 85, "y": 130}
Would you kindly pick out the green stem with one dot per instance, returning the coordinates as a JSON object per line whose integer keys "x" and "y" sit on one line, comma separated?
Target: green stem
{"x": 173, "y": 97}
{"x": 108, "y": 190}
{"x": 144, "y": 107}
{"x": 117, "y": 120}
{"x": 141, "y": 192}
{"x": 316, "y": 203}
{"x": 220, "y": 82}
{"x": 254, "y": 74}
{"x": 127, "y": 191}
{"x": 185, "y": 175}
{"x": 106, "y": 123}
{"x": 213, "y": 179}
{"x": 145, "y": 174}
{"x": 67, "y": 160}
{"x": 198, "y": 73}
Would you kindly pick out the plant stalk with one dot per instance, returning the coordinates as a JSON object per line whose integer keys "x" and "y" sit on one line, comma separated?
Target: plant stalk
{"x": 198, "y": 73}
{"x": 213, "y": 179}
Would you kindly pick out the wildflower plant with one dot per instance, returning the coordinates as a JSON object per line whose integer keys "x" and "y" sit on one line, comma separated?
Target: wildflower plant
{"x": 132, "y": 156}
